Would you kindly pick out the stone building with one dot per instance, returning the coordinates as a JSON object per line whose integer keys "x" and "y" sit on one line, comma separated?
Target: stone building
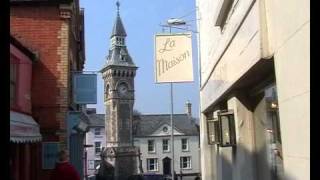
{"x": 118, "y": 74}
{"x": 54, "y": 31}
{"x": 255, "y": 90}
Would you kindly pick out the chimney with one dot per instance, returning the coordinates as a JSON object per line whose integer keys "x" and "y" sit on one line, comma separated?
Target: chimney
{"x": 188, "y": 108}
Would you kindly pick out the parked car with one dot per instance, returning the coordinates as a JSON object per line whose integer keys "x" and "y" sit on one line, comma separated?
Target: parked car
{"x": 149, "y": 177}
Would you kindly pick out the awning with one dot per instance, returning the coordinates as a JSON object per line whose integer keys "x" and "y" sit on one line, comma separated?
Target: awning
{"x": 23, "y": 128}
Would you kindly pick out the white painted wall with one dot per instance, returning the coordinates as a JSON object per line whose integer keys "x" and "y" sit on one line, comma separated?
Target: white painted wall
{"x": 90, "y": 139}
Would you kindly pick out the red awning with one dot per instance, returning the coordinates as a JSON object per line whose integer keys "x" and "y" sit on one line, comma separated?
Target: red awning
{"x": 23, "y": 128}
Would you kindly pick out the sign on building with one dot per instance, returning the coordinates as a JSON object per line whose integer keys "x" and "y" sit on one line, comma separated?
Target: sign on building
{"x": 173, "y": 58}
{"x": 84, "y": 88}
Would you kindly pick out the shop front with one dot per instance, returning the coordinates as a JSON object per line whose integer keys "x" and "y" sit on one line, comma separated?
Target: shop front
{"x": 25, "y": 141}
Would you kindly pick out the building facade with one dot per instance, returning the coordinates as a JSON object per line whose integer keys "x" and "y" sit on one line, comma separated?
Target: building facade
{"x": 54, "y": 31}
{"x": 152, "y": 134}
{"x": 255, "y": 90}
{"x": 25, "y": 134}
{"x": 96, "y": 138}
{"x": 118, "y": 75}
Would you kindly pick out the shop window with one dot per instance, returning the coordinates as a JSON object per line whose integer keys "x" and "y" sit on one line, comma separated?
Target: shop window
{"x": 274, "y": 132}
{"x": 152, "y": 164}
{"x": 185, "y": 162}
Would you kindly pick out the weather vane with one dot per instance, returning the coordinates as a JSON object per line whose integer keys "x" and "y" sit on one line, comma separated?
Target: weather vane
{"x": 118, "y": 5}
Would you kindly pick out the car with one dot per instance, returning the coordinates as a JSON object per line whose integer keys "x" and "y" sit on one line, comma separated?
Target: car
{"x": 148, "y": 177}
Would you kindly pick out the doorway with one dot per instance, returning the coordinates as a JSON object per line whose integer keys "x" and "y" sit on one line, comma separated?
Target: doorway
{"x": 268, "y": 135}
{"x": 166, "y": 166}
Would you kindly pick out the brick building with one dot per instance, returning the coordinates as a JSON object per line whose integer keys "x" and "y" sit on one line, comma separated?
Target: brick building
{"x": 24, "y": 131}
{"x": 54, "y": 30}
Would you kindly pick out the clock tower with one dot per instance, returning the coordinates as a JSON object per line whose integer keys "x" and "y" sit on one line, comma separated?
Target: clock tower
{"x": 118, "y": 74}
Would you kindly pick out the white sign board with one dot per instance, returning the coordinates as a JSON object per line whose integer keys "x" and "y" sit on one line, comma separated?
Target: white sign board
{"x": 173, "y": 58}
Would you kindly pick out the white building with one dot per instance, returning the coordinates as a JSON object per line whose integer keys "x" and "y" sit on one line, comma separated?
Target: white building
{"x": 254, "y": 65}
{"x": 152, "y": 134}
{"x": 97, "y": 138}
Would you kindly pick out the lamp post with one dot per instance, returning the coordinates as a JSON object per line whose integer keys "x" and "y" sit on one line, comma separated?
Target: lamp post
{"x": 171, "y": 23}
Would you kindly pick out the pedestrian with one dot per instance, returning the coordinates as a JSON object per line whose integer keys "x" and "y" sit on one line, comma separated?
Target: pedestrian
{"x": 64, "y": 169}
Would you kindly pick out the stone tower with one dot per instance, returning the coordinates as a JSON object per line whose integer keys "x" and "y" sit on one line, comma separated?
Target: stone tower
{"x": 118, "y": 74}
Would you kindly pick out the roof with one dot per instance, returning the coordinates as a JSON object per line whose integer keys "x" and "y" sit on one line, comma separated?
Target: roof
{"x": 96, "y": 120}
{"x": 114, "y": 57}
{"x": 145, "y": 125}
{"x": 118, "y": 28}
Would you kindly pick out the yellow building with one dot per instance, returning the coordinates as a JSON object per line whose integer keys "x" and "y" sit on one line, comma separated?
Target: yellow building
{"x": 255, "y": 89}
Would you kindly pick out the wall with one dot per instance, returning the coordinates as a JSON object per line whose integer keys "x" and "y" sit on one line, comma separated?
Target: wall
{"x": 193, "y": 151}
{"x": 234, "y": 50}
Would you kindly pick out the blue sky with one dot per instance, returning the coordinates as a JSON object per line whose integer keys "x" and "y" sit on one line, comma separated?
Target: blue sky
{"x": 141, "y": 19}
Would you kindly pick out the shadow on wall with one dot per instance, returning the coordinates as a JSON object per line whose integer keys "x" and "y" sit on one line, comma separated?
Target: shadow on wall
{"x": 247, "y": 166}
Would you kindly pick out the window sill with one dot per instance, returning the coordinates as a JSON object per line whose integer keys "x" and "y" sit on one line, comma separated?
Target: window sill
{"x": 151, "y": 152}
{"x": 187, "y": 169}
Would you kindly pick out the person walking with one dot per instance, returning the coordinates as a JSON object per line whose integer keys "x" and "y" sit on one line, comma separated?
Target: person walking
{"x": 64, "y": 169}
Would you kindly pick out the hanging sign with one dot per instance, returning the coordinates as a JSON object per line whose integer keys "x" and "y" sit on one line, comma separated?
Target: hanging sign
{"x": 84, "y": 88}
{"x": 173, "y": 58}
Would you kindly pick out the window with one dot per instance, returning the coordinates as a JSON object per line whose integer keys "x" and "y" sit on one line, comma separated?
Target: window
{"x": 184, "y": 145}
{"x": 151, "y": 146}
{"x": 165, "y": 129}
{"x": 165, "y": 145}
{"x": 224, "y": 13}
{"x": 13, "y": 81}
{"x": 97, "y": 146}
{"x": 152, "y": 164}
{"x": 185, "y": 162}
{"x": 97, "y": 131}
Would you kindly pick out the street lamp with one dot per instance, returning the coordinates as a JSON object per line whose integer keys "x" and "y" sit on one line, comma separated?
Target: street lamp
{"x": 176, "y": 22}
{"x": 172, "y": 23}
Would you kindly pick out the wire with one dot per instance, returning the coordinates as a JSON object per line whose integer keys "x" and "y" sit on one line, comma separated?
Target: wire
{"x": 188, "y": 13}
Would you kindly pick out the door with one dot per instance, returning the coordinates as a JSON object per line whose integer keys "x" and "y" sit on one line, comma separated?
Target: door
{"x": 166, "y": 166}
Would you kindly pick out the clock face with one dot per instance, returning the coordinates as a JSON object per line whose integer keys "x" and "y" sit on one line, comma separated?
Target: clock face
{"x": 123, "y": 89}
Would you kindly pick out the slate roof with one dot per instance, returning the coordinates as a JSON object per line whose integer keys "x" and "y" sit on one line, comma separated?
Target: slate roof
{"x": 147, "y": 124}
{"x": 114, "y": 57}
{"x": 118, "y": 28}
{"x": 96, "y": 120}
